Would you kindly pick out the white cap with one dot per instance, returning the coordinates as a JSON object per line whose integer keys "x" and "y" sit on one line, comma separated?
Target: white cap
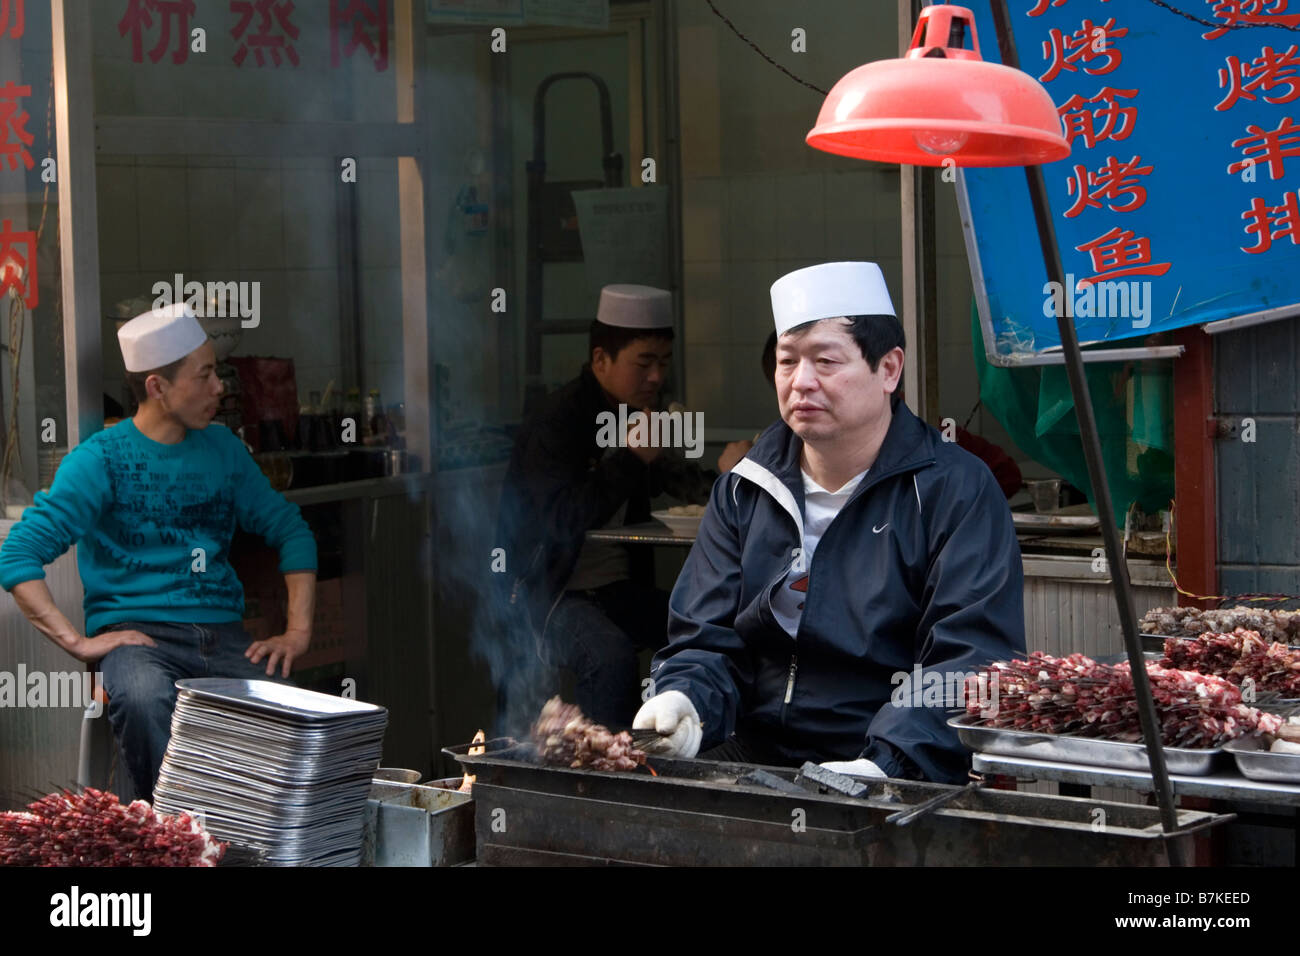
{"x": 829, "y": 291}
{"x": 160, "y": 337}
{"x": 635, "y": 307}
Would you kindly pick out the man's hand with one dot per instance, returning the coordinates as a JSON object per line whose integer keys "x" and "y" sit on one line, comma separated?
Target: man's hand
{"x": 89, "y": 649}
{"x": 673, "y": 715}
{"x": 862, "y": 767}
{"x": 732, "y": 454}
{"x": 647, "y": 453}
{"x": 282, "y": 649}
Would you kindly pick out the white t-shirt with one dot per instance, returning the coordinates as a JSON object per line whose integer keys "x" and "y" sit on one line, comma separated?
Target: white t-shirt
{"x": 819, "y": 509}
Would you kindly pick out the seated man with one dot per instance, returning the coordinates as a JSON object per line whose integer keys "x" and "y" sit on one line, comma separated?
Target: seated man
{"x": 152, "y": 504}
{"x": 849, "y": 548}
{"x": 594, "y": 605}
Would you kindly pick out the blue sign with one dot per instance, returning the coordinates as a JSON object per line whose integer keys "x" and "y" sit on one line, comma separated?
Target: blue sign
{"x": 1179, "y": 202}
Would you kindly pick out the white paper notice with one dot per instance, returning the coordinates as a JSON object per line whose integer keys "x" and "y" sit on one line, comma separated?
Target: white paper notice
{"x": 495, "y": 12}
{"x": 568, "y": 13}
{"x": 624, "y": 235}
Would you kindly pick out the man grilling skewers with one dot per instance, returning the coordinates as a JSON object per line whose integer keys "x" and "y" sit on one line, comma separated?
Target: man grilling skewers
{"x": 593, "y": 605}
{"x": 152, "y": 504}
{"x": 852, "y": 545}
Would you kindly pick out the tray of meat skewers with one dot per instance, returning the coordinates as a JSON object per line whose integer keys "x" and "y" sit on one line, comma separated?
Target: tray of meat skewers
{"x": 1076, "y": 710}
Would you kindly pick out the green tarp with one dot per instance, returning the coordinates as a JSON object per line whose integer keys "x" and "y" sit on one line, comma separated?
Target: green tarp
{"x": 1034, "y": 405}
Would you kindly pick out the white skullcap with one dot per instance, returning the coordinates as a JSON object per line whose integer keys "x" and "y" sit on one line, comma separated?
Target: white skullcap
{"x": 829, "y": 291}
{"x": 635, "y": 307}
{"x": 160, "y": 337}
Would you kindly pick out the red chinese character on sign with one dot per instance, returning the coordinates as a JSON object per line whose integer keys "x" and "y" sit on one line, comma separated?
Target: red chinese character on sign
{"x": 20, "y": 21}
{"x": 139, "y": 17}
{"x": 12, "y": 118}
{"x": 263, "y": 39}
{"x": 1040, "y": 6}
{"x": 1110, "y": 121}
{"x": 1271, "y": 146}
{"x": 1265, "y": 72}
{"x": 18, "y": 271}
{"x": 1113, "y": 181}
{"x": 1120, "y": 253}
{"x": 358, "y": 15}
{"x": 1233, "y": 12}
{"x": 1273, "y": 222}
{"x": 1088, "y": 43}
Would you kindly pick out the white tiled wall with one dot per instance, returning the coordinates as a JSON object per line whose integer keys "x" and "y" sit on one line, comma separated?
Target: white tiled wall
{"x": 267, "y": 221}
{"x": 260, "y": 219}
{"x": 757, "y": 202}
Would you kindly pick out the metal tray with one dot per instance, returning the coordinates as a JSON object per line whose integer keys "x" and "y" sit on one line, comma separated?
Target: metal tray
{"x": 1258, "y": 763}
{"x": 1082, "y": 750}
{"x": 292, "y": 703}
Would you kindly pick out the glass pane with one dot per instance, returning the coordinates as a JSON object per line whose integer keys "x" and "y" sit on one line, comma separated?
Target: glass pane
{"x": 32, "y": 395}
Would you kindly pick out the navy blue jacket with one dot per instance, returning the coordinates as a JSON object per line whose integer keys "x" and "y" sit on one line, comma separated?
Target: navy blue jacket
{"x": 921, "y": 567}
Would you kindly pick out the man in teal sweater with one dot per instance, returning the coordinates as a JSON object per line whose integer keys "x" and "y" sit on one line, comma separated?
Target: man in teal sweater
{"x": 152, "y": 504}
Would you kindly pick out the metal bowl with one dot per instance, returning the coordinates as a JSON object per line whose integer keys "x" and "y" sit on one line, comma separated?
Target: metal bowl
{"x": 397, "y": 775}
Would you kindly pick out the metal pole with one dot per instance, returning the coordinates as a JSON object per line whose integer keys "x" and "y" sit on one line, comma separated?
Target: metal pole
{"x": 74, "y": 122}
{"x": 1097, "y": 474}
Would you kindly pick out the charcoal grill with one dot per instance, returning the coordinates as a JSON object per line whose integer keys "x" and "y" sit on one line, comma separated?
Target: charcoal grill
{"x": 696, "y": 812}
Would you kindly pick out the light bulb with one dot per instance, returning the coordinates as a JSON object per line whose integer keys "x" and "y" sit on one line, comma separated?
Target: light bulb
{"x": 940, "y": 142}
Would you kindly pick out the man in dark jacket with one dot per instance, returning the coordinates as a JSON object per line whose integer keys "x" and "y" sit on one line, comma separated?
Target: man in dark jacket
{"x": 851, "y": 564}
{"x": 579, "y": 464}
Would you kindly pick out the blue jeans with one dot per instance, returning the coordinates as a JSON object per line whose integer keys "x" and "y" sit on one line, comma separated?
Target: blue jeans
{"x": 597, "y": 635}
{"x": 141, "y": 684}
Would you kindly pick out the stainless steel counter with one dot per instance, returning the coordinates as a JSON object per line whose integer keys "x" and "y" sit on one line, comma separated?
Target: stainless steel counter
{"x": 1223, "y": 785}
{"x": 408, "y": 484}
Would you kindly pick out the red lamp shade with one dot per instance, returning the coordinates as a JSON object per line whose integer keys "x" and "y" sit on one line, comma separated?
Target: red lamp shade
{"x": 941, "y": 102}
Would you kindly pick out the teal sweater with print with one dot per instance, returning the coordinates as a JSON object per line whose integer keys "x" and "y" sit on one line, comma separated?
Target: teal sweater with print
{"x": 153, "y": 523}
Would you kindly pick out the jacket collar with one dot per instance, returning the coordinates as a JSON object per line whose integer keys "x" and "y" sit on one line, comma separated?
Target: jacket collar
{"x": 773, "y": 462}
{"x": 907, "y": 445}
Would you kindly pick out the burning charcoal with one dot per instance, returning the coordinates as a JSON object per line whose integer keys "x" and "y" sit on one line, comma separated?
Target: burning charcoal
{"x": 94, "y": 829}
{"x": 565, "y": 738}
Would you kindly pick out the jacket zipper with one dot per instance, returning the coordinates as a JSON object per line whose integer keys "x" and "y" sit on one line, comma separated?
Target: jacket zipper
{"x": 789, "y": 685}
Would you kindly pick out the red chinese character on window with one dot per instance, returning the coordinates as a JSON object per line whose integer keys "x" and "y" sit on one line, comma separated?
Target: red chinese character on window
{"x": 12, "y": 118}
{"x": 363, "y": 21}
{"x": 1089, "y": 42}
{"x": 1233, "y": 12}
{"x": 263, "y": 39}
{"x": 1120, "y": 253}
{"x": 1110, "y": 121}
{"x": 18, "y": 271}
{"x": 20, "y": 21}
{"x": 1272, "y": 222}
{"x": 1113, "y": 181}
{"x": 1270, "y": 146}
{"x": 1266, "y": 72}
{"x": 139, "y": 17}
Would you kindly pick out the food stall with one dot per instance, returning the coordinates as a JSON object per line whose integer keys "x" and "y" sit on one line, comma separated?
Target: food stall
{"x": 408, "y": 194}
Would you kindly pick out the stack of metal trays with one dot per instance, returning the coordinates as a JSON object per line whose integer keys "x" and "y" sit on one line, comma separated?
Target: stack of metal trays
{"x": 280, "y": 770}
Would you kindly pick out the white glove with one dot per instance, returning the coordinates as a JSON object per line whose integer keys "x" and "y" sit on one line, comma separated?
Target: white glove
{"x": 862, "y": 767}
{"x": 672, "y": 714}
